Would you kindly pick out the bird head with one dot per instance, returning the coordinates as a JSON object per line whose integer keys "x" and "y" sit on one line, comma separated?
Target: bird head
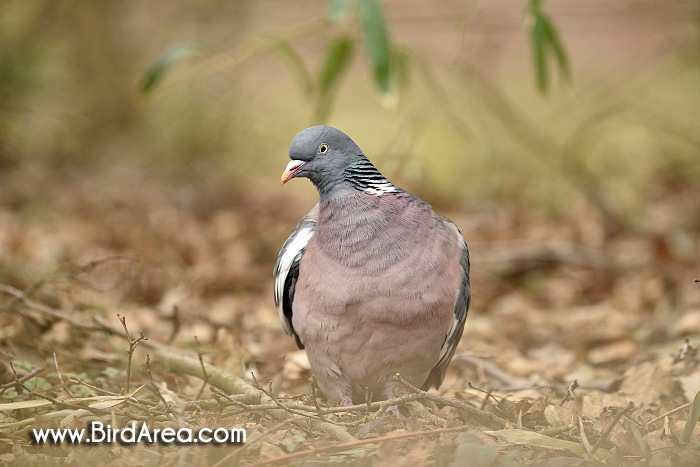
{"x": 321, "y": 154}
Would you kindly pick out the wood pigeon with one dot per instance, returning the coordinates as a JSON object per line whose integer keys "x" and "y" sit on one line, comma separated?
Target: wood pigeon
{"x": 372, "y": 282}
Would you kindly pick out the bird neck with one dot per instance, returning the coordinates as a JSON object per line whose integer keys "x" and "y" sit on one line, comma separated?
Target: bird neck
{"x": 364, "y": 176}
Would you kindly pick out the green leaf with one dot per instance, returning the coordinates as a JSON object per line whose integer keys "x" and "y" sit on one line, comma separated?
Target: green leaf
{"x": 336, "y": 10}
{"x": 555, "y": 45}
{"x": 335, "y": 62}
{"x": 546, "y": 45}
{"x": 376, "y": 40}
{"x": 23, "y": 364}
{"x": 155, "y": 73}
{"x": 539, "y": 54}
{"x": 37, "y": 384}
{"x": 692, "y": 419}
{"x": 294, "y": 61}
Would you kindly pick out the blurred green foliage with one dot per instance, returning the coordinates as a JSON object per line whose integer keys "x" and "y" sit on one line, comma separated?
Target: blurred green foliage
{"x": 546, "y": 46}
{"x": 107, "y": 85}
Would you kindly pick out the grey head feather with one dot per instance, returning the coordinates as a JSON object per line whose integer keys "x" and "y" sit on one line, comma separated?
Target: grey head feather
{"x": 334, "y": 163}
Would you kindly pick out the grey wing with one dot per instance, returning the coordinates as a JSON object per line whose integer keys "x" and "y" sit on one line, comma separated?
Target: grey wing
{"x": 287, "y": 270}
{"x": 462, "y": 301}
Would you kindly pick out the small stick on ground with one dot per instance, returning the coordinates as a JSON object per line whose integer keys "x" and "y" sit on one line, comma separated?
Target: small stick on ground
{"x": 60, "y": 377}
{"x": 666, "y": 414}
{"x": 570, "y": 396}
{"x": 133, "y": 343}
{"x": 609, "y": 430}
{"x": 204, "y": 369}
{"x": 21, "y": 379}
{"x": 485, "y": 418}
{"x": 487, "y": 395}
{"x": 368, "y": 400}
{"x": 687, "y": 350}
{"x": 166, "y": 404}
{"x": 53, "y": 400}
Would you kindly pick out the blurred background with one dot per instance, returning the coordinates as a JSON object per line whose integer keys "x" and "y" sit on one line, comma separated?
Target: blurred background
{"x": 141, "y": 146}
{"x": 563, "y": 138}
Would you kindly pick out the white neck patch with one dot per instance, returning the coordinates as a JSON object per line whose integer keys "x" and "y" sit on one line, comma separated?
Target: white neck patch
{"x": 380, "y": 187}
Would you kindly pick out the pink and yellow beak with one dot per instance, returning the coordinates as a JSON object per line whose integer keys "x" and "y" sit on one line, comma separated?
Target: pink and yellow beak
{"x": 292, "y": 168}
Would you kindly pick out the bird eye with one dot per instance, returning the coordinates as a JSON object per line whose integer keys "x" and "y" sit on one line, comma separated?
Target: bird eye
{"x": 322, "y": 149}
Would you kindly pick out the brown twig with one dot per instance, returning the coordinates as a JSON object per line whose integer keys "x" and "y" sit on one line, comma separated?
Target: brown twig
{"x": 19, "y": 295}
{"x": 487, "y": 419}
{"x": 21, "y": 379}
{"x": 74, "y": 271}
{"x": 92, "y": 387}
{"x": 133, "y": 343}
{"x": 43, "y": 309}
{"x": 53, "y": 400}
{"x": 487, "y": 395}
{"x": 155, "y": 388}
{"x": 492, "y": 370}
{"x": 175, "y": 319}
{"x": 570, "y": 396}
{"x": 60, "y": 377}
{"x": 609, "y": 430}
{"x": 666, "y": 414}
{"x": 205, "y": 380}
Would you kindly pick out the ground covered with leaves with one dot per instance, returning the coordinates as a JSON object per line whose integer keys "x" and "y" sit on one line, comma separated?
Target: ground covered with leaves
{"x": 131, "y": 298}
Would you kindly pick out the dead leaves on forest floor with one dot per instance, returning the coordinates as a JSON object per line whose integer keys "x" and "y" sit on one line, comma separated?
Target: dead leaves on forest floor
{"x": 610, "y": 314}
{"x": 643, "y": 416}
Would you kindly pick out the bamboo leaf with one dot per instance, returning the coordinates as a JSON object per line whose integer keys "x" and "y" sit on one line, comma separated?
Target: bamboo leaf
{"x": 555, "y": 45}
{"x": 376, "y": 40}
{"x": 290, "y": 57}
{"x": 546, "y": 45}
{"x": 539, "y": 54}
{"x": 335, "y": 63}
{"x": 155, "y": 73}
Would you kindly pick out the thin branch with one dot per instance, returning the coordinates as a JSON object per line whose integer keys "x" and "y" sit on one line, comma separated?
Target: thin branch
{"x": 205, "y": 380}
{"x": 133, "y": 343}
{"x": 53, "y": 400}
{"x": 155, "y": 388}
{"x": 92, "y": 387}
{"x": 21, "y": 379}
{"x": 60, "y": 377}
{"x": 488, "y": 419}
{"x": 672, "y": 411}
{"x": 609, "y": 430}
{"x": 487, "y": 395}
{"x": 570, "y": 396}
